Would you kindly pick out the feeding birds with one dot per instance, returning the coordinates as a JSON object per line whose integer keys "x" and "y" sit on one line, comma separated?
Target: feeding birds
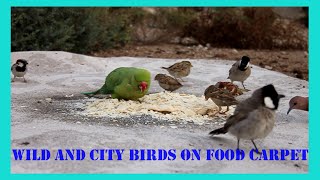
{"x": 179, "y": 70}
{"x": 298, "y": 102}
{"x": 127, "y": 83}
{"x": 254, "y": 117}
{"x": 240, "y": 70}
{"x": 19, "y": 69}
{"x": 221, "y": 97}
{"x": 232, "y": 88}
{"x": 167, "y": 82}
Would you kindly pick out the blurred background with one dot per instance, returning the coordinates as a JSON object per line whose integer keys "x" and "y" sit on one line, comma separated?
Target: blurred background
{"x": 274, "y": 38}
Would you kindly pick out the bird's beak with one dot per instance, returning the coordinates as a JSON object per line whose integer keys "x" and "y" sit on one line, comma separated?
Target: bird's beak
{"x": 289, "y": 110}
{"x": 143, "y": 86}
{"x": 281, "y": 96}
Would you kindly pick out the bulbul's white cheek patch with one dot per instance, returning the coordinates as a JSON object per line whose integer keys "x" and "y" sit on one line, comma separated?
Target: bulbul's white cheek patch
{"x": 269, "y": 103}
{"x": 247, "y": 65}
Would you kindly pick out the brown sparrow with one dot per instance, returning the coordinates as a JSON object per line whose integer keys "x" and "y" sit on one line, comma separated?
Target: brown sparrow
{"x": 167, "y": 82}
{"x": 232, "y": 88}
{"x": 179, "y": 70}
{"x": 221, "y": 97}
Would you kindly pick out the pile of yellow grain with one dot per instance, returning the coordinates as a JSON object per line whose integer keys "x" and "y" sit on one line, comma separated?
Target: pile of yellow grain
{"x": 163, "y": 105}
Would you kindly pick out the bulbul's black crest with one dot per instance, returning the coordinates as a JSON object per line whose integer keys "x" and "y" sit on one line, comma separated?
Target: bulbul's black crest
{"x": 244, "y": 63}
{"x": 269, "y": 91}
{"x": 24, "y": 67}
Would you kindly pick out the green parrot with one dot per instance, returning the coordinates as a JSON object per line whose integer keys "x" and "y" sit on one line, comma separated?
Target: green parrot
{"x": 127, "y": 83}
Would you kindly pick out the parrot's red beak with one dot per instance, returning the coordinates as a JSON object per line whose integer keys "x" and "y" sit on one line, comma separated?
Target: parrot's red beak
{"x": 143, "y": 86}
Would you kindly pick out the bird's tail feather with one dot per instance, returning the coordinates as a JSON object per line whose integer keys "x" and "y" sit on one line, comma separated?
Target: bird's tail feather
{"x": 99, "y": 91}
{"x": 164, "y": 68}
{"x": 219, "y": 131}
{"x": 91, "y": 93}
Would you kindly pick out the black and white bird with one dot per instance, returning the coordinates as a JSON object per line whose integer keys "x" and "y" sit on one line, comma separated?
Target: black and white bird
{"x": 19, "y": 69}
{"x": 254, "y": 117}
{"x": 240, "y": 70}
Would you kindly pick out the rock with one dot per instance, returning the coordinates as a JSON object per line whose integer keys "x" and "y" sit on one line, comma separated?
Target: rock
{"x": 268, "y": 67}
{"x": 189, "y": 41}
{"x": 208, "y": 45}
{"x": 209, "y": 56}
{"x": 182, "y": 51}
{"x": 175, "y": 40}
{"x": 150, "y": 10}
{"x": 234, "y": 51}
{"x": 49, "y": 100}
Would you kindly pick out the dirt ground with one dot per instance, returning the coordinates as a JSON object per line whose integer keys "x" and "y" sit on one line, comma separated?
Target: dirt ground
{"x": 292, "y": 63}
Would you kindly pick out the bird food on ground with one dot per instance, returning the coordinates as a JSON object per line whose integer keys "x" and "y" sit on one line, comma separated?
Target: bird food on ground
{"x": 164, "y": 105}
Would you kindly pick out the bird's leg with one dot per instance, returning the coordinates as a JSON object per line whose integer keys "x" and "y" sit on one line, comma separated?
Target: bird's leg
{"x": 220, "y": 110}
{"x": 257, "y": 150}
{"x": 243, "y": 85}
{"x": 227, "y": 108}
{"x": 14, "y": 77}
{"x": 238, "y": 149}
{"x": 24, "y": 79}
{"x": 238, "y": 144}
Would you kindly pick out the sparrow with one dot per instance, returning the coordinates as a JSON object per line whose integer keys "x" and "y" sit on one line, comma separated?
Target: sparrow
{"x": 167, "y": 82}
{"x": 232, "y": 88}
{"x": 240, "y": 70}
{"x": 179, "y": 70}
{"x": 19, "y": 69}
{"x": 221, "y": 97}
{"x": 299, "y": 102}
{"x": 254, "y": 117}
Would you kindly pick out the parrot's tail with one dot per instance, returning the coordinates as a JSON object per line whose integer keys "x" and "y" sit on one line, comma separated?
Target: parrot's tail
{"x": 91, "y": 93}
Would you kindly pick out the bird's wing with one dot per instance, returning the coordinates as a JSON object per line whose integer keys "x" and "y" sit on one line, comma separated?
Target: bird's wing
{"x": 13, "y": 66}
{"x": 177, "y": 67}
{"x": 240, "y": 116}
{"x": 171, "y": 81}
{"x": 233, "y": 68}
{"x": 226, "y": 97}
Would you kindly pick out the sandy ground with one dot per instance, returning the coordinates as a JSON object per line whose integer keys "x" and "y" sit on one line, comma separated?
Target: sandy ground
{"x": 56, "y": 124}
